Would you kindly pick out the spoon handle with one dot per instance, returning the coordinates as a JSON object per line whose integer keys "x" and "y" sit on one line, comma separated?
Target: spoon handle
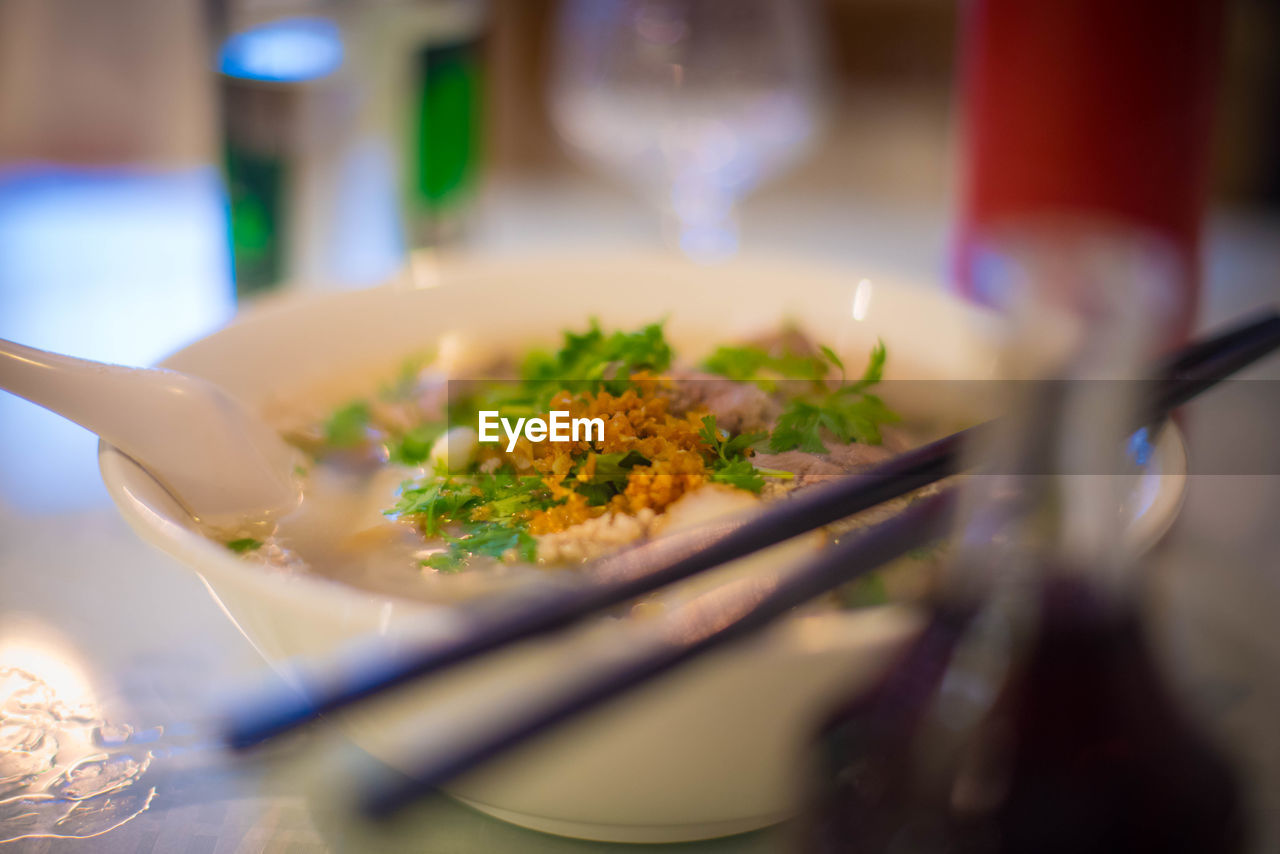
{"x": 215, "y": 456}
{"x": 81, "y": 390}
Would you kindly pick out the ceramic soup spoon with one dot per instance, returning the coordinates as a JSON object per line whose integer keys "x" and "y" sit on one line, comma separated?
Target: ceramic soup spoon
{"x": 218, "y": 459}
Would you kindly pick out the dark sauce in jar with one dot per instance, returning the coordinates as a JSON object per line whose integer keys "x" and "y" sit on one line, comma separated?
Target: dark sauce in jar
{"x": 1084, "y": 749}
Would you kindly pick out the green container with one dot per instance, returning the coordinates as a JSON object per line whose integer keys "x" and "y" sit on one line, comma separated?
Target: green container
{"x": 445, "y": 133}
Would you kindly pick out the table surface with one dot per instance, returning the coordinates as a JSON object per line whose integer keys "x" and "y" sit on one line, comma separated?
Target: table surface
{"x": 107, "y": 634}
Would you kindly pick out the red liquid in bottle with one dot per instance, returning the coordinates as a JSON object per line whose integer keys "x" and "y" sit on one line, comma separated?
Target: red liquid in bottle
{"x": 1100, "y": 108}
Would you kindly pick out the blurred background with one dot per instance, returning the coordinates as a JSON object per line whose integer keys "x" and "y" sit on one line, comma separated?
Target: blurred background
{"x": 164, "y": 162}
{"x": 891, "y": 131}
{"x": 161, "y": 160}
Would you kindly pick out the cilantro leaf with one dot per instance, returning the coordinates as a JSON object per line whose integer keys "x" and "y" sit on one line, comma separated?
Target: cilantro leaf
{"x": 587, "y": 361}
{"x": 345, "y": 428}
{"x": 403, "y": 385}
{"x": 414, "y": 446}
{"x": 832, "y": 358}
{"x": 491, "y": 539}
{"x": 874, "y": 371}
{"x": 506, "y": 495}
{"x": 849, "y": 413}
{"x": 799, "y": 428}
{"x": 736, "y": 363}
{"x": 857, "y": 420}
{"x": 726, "y": 448}
{"x": 592, "y": 360}
{"x": 482, "y": 514}
{"x": 739, "y": 474}
{"x": 244, "y": 545}
{"x": 729, "y": 463}
{"x": 612, "y": 465}
{"x": 758, "y": 366}
{"x": 865, "y": 592}
{"x": 612, "y": 473}
{"x": 434, "y": 502}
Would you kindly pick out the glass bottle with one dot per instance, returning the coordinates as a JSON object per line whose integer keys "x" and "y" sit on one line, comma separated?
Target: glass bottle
{"x": 1031, "y": 714}
{"x": 351, "y": 134}
{"x": 1089, "y": 105}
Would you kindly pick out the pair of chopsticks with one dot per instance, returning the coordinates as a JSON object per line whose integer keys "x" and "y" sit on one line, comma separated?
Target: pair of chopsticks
{"x": 489, "y": 625}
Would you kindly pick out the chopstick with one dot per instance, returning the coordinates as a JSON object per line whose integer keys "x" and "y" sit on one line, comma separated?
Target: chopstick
{"x": 924, "y": 521}
{"x": 1205, "y": 362}
{"x": 612, "y": 581}
{"x": 1244, "y": 337}
{"x": 492, "y": 624}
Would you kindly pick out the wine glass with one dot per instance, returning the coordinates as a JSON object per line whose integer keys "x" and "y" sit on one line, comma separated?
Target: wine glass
{"x": 691, "y": 102}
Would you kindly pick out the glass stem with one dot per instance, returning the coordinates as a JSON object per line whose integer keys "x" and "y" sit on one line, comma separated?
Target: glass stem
{"x": 700, "y": 223}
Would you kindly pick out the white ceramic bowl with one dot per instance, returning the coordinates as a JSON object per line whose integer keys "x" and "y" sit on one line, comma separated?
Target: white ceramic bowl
{"x": 708, "y": 751}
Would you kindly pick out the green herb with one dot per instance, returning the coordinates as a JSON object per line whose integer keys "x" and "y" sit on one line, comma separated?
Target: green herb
{"x": 833, "y": 358}
{"x": 437, "y": 500}
{"x": 612, "y": 473}
{"x": 849, "y": 413}
{"x": 736, "y": 363}
{"x": 613, "y": 466}
{"x": 347, "y": 425}
{"x": 592, "y": 360}
{"x": 848, "y": 418}
{"x": 481, "y": 514}
{"x": 434, "y": 502}
{"x": 510, "y": 397}
{"x": 758, "y": 366}
{"x": 507, "y": 495}
{"x": 587, "y": 362}
{"x": 414, "y": 446}
{"x": 729, "y": 463}
{"x": 864, "y": 593}
{"x": 491, "y": 539}
{"x": 739, "y": 474}
{"x": 799, "y": 427}
{"x": 244, "y": 545}
{"x": 924, "y": 552}
{"x": 874, "y": 371}
{"x": 727, "y": 448}
{"x": 405, "y": 383}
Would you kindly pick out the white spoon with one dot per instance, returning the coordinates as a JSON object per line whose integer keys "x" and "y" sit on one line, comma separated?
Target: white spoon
{"x": 213, "y": 455}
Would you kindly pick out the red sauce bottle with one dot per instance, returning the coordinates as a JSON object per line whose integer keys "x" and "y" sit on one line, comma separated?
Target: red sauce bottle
{"x": 1096, "y": 108}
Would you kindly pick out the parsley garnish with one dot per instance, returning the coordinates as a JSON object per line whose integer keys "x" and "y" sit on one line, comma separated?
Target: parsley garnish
{"x": 729, "y": 463}
{"x": 244, "y": 545}
{"x": 492, "y": 539}
{"x": 347, "y": 425}
{"x": 612, "y": 474}
{"x": 435, "y": 500}
{"x": 756, "y": 365}
{"x": 405, "y": 383}
{"x": 587, "y": 362}
{"x": 481, "y": 514}
{"x": 865, "y": 592}
{"x": 593, "y": 360}
{"x": 849, "y": 412}
{"x": 414, "y": 446}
